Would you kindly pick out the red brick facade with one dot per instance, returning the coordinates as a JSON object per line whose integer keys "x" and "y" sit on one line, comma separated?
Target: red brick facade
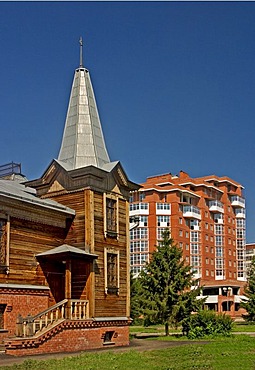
{"x": 72, "y": 336}
{"x": 20, "y": 301}
{"x": 206, "y": 218}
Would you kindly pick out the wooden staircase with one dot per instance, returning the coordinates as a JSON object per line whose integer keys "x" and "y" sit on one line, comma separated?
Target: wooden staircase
{"x": 72, "y": 309}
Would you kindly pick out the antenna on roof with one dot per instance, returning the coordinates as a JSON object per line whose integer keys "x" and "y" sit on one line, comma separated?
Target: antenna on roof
{"x": 81, "y": 45}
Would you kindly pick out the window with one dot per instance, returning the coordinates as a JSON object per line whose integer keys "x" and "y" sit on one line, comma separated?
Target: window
{"x": 219, "y": 252}
{"x": 163, "y": 221}
{"x": 194, "y": 236}
{"x": 111, "y": 226}
{"x": 160, "y": 232}
{"x": 107, "y": 337}
{"x": 139, "y": 233}
{"x": 163, "y": 206}
{"x": 195, "y": 261}
{"x": 139, "y": 258}
{"x": 141, "y": 196}
{"x": 139, "y": 207}
{"x": 194, "y": 249}
{"x": 218, "y": 229}
{"x": 111, "y": 265}
{"x": 240, "y": 233}
{"x": 2, "y": 309}
{"x": 144, "y": 220}
{"x": 219, "y": 240}
{"x": 139, "y": 246}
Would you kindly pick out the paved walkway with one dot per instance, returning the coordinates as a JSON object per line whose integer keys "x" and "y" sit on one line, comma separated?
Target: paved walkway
{"x": 141, "y": 344}
{"x": 135, "y": 344}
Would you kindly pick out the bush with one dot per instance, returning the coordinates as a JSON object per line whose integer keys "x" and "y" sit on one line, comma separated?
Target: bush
{"x": 207, "y": 323}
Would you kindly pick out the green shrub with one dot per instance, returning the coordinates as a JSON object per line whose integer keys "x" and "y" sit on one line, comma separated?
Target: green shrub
{"x": 207, "y": 323}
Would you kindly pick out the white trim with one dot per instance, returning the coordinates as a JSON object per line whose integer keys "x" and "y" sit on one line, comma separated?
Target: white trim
{"x": 24, "y": 286}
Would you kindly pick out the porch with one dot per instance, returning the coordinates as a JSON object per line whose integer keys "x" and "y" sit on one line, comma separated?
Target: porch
{"x": 71, "y": 309}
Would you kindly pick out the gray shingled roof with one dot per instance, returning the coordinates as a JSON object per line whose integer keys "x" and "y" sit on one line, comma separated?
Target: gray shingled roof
{"x": 15, "y": 190}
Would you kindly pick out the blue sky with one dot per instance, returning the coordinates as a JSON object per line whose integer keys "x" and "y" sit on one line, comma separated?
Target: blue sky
{"x": 174, "y": 82}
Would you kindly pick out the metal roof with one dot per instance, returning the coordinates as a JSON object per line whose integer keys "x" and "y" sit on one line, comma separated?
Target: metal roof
{"x": 83, "y": 141}
{"x": 15, "y": 190}
{"x": 66, "y": 249}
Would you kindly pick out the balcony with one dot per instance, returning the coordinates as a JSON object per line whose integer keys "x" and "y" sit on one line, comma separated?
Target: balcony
{"x": 138, "y": 209}
{"x": 216, "y": 206}
{"x": 240, "y": 212}
{"x": 237, "y": 201}
{"x": 191, "y": 212}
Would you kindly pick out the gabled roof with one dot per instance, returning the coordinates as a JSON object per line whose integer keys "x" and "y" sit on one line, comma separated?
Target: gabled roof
{"x": 83, "y": 141}
{"x": 66, "y": 250}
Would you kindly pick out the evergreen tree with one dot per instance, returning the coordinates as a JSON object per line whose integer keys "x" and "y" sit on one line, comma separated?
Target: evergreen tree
{"x": 135, "y": 292}
{"x": 249, "y": 292}
{"x": 169, "y": 292}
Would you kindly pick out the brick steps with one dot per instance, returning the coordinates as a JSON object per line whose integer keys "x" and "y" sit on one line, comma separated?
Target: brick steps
{"x": 2, "y": 348}
{"x": 71, "y": 336}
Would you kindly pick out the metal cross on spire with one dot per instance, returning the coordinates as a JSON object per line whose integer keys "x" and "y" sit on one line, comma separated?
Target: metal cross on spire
{"x": 81, "y": 46}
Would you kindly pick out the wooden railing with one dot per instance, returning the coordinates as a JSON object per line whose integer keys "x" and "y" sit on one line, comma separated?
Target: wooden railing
{"x": 73, "y": 309}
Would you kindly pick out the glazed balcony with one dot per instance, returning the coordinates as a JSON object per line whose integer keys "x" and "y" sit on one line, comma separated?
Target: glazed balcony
{"x": 190, "y": 211}
{"x": 240, "y": 212}
{"x": 216, "y": 206}
{"x": 138, "y": 209}
{"x": 237, "y": 201}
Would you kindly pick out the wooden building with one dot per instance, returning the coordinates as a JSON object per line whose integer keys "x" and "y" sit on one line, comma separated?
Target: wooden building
{"x": 64, "y": 262}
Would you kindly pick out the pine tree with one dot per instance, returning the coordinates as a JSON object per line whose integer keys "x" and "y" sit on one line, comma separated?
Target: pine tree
{"x": 169, "y": 292}
{"x": 135, "y": 293}
{"x": 249, "y": 292}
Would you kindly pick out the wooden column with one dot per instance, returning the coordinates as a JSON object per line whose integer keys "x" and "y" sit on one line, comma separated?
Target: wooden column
{"x": 90, "y": 247}
{"x": 89, "y": 220}
{"x": 8, "y": 232}
{"x": 68, "y": 287}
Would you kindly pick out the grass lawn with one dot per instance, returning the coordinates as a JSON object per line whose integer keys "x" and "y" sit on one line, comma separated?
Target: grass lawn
{"x": 235, "y": 353}
{"x": 237, "y": 327}
{"x": 243, "y": 327}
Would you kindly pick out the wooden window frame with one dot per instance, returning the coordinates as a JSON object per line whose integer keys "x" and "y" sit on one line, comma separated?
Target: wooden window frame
{"x": 109, "y": 232}
{"x": 113, "y": 289}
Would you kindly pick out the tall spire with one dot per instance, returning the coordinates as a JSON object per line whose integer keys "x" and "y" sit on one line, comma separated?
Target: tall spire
{"x": 83, "y": 141}
{"x": 81, "y": 46}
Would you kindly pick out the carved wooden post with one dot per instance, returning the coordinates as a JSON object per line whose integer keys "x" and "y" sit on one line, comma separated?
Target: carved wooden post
{"x": 68, "y": 287}
{"x": 30, "y": 326}
{"x": 19, "y": 326}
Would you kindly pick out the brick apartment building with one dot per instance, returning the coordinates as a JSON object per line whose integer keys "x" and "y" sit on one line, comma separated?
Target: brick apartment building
{"x": 250, "y": 254}
{"x": 206, "y": 218}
